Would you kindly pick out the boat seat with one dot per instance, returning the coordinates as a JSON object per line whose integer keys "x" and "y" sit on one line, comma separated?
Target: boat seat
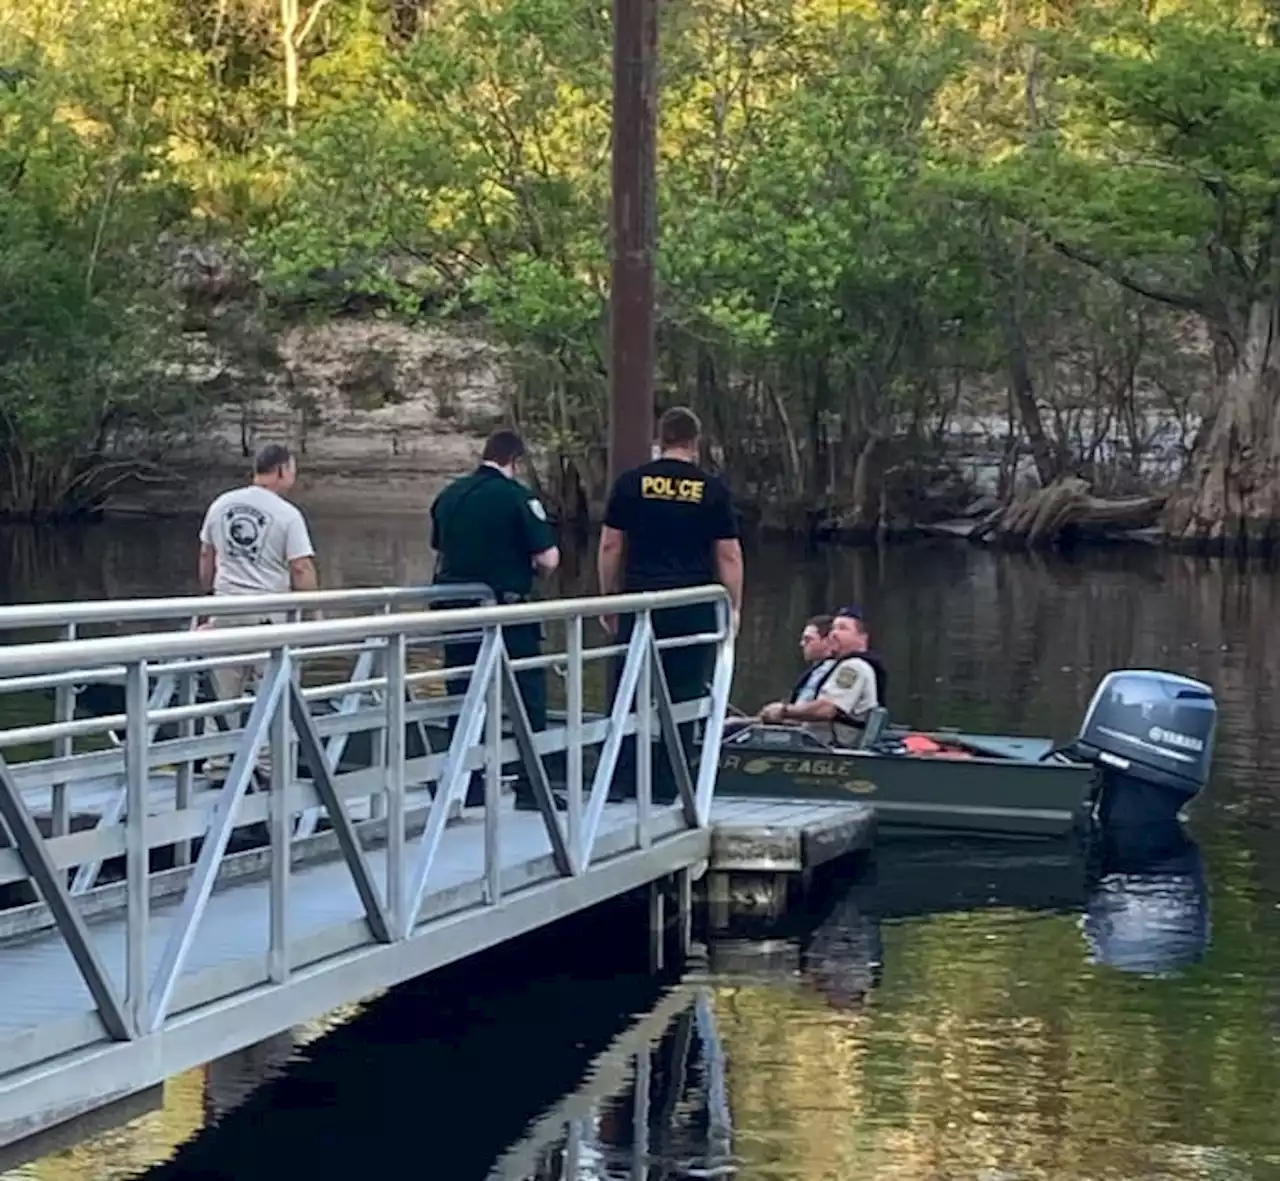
{"x": 876, "y": 721}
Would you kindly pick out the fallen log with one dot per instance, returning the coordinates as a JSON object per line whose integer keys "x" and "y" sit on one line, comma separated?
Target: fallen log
{"x": 1065, "y": 512}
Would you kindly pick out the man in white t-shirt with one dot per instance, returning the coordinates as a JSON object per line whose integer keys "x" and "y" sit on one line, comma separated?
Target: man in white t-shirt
{"x": 254, "y": 542}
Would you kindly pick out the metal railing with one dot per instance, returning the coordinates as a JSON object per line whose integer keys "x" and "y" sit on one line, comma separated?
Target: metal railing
{"x": 186, "y": 686}
{"x": 417, "y": 791}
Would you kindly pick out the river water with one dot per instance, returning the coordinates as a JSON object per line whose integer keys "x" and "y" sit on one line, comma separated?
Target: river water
{"x": 954, "y": 1012}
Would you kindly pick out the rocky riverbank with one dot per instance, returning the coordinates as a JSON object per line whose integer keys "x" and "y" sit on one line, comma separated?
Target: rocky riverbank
{"x": 381, "y": 416}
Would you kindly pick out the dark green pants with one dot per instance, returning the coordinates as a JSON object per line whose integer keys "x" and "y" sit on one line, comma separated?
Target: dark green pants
{"x": 688, "y": 671}
{"x": 522, "y": 640}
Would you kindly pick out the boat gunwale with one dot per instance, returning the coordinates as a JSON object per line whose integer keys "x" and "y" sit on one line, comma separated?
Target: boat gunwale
{"x": 1062, "y": 761}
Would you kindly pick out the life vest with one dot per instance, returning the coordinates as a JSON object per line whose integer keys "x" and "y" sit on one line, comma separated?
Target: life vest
{"x": 818, "y": 672}
{"x": 922, "y": 744}
{"x": 829, "y": 666}
{"x": 882, "y": 677}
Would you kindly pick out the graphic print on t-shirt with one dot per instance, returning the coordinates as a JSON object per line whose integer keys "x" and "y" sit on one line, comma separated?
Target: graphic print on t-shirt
{"x": 246, "y": 529}
{"x": 670, "y": 488}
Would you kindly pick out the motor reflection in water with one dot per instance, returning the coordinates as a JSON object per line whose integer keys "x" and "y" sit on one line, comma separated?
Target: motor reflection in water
{"x": 1148, "y": 906}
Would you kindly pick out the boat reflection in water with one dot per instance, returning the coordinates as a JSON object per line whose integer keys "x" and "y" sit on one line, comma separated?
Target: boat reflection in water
{"x": 835, "y": 945}
{"x": 1148, "y": 907}
{"x": 911, "y": 879}
{"x": 1140, "y": 893}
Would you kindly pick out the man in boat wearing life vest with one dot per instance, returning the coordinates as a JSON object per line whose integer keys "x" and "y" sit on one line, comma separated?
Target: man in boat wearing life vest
{"x": 815, "y": 647}
{"x": 831, "y": 701}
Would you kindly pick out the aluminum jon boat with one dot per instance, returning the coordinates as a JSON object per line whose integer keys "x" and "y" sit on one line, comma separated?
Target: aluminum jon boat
{"x": 1141, "y": 755}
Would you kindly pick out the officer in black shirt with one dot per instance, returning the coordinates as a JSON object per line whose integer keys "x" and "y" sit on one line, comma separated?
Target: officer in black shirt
{"x": 488, "y": 527}
{"x": 669, "y": 524}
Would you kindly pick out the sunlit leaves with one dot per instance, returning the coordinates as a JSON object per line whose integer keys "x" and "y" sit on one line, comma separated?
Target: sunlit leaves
{"x": 828, "y": 175}
{"x": 1160, "y": 144}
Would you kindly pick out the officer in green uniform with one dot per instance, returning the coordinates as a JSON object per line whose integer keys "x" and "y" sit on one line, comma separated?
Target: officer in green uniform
{"x": 670, "y": 524}
{"x": 488, "y": 527}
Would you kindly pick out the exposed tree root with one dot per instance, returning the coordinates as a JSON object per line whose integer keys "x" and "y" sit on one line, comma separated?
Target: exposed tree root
{"x": 1065, "y": 511}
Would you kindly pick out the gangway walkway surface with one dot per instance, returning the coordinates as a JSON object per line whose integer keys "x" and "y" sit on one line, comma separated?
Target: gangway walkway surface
{"x": 110, "y": 987}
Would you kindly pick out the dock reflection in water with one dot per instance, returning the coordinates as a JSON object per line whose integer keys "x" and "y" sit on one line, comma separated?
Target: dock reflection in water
{"x": 654, "y": 1104}
{"x": 479, "y": 1072}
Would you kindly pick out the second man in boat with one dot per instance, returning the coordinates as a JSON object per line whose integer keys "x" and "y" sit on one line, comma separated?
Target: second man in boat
{"x": 832, "y": 700}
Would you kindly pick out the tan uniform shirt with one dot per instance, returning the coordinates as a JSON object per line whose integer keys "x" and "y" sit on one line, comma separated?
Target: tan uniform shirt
{"x": 851, "y": 687}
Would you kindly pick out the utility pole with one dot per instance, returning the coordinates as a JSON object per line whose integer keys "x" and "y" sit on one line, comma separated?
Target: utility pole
{"x": 634, "y": 228}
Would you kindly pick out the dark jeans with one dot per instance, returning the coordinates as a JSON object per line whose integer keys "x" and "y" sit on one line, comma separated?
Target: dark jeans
{"x": 688, "y": 670}
{"x": 522, "y": 640}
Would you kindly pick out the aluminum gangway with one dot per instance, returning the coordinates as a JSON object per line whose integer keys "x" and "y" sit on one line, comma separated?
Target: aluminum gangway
{"x": 308, "y": 877}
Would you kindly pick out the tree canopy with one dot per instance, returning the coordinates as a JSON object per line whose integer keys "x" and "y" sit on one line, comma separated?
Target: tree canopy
{"x": 1062, "y": 214}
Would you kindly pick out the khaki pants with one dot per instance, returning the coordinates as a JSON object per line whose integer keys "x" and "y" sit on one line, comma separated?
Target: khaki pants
{"x": 231, "y": 681}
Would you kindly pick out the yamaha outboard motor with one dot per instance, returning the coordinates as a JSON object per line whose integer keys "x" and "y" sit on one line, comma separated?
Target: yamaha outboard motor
{"x": 1151, "y": 733}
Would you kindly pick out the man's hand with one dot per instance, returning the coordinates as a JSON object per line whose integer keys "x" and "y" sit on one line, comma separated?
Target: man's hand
{"x": 772, "y": 713}
{"x": 735, "y": 615}
{"x": 610, "y": 624}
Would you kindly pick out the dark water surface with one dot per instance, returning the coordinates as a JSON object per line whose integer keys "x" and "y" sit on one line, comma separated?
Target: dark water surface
{"x": 954, "y": 1013}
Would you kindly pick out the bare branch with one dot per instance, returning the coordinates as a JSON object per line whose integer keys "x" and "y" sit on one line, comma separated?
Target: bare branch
{"x": 310, "y": 23}
{"x": 1174, "y": 299}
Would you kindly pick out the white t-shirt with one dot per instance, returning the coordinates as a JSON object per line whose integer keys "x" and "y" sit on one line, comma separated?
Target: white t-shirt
{"x": 256, "y": 534}
{"x": 809, "y": 688}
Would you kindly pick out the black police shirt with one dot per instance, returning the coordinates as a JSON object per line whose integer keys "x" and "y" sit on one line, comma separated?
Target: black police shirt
{"x": 486, "y": 528}
{"x": 672, "y": 513}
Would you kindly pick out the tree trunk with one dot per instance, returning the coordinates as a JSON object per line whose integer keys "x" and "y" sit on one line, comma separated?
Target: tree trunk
{"x": 1009, "y": 264}
{"x": 794, "y": 467}
{"x": 1230, "y": 500}
{"x": 289, "y": 55}
{"x": 864, "y": 516}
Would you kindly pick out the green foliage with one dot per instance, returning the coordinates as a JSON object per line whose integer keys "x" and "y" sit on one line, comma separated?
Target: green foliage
{"x": 1161, "y": 165}
{"x": 84, "y": 325}
{"x": 844, "y": 193}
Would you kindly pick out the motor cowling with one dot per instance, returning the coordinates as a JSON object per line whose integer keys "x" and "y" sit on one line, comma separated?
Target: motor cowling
{"x": 1153, "y": 727}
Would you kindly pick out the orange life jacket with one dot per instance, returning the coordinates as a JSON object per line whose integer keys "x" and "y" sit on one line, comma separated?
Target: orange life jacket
{"x": 922, "y": 744}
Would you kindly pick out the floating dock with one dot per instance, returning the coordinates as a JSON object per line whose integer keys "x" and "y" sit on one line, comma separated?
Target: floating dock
{"x": 764, "y": 852}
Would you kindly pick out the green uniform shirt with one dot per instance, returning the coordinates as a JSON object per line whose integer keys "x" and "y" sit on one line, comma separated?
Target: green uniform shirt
{"x": 486, "y": 528}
